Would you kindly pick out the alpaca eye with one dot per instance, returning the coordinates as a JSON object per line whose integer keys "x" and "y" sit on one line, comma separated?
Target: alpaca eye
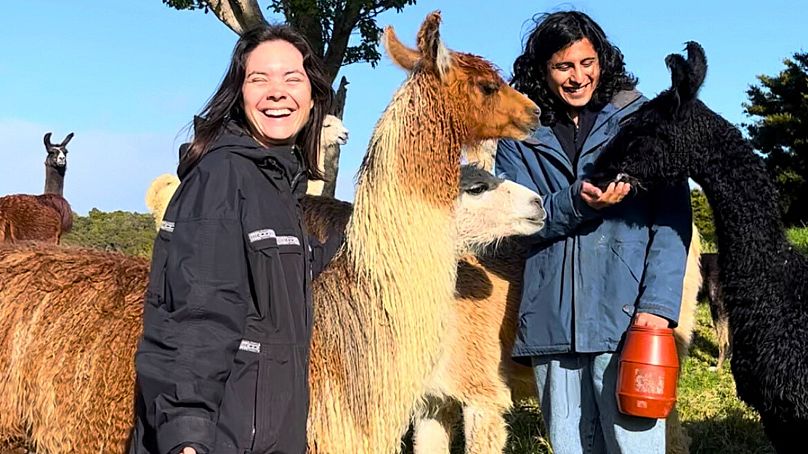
{"x": 477, "y": 189}
{"x": 489, "y": 88}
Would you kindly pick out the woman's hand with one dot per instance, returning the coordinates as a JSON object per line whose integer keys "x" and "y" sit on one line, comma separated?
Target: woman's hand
{"x": 650, "y": 320}
{"x": 188, "y": 451}
{"x": 598, "y": 199}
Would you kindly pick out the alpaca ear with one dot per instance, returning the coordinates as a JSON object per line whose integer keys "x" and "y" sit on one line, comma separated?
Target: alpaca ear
{"x": 697, "y": 63}
{"x": 401, "y": 55}
{"x": 435, "y": 55}
{"x": 678, "y": 67}
{"x": 67, "y": 139}
{"x": 48, "y": 143}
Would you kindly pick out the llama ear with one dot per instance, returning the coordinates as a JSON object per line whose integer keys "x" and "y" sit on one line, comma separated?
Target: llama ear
{"x": 401, "y": 55}
{"x": 697, "y": 63}
{"x": 435, "y": 54}
{"x": 67, "y": 139}
{"x": 679, "y": 77}
{"x": 48, "y": 143}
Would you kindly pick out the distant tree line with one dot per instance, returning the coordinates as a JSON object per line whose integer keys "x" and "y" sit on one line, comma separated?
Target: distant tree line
{"x": 120, "y": 231}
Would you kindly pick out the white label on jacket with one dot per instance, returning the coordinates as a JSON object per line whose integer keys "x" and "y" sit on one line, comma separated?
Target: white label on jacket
{"x": 286, "y": 240}
{"x": 168, "y": 226}
{"x": 259, "y": 235}
{"x": 250, "y": 346}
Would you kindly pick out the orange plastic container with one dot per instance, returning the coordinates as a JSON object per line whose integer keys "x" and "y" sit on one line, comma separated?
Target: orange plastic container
{"x": 648, "y": 372}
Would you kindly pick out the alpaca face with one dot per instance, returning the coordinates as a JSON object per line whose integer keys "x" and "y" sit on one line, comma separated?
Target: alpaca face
{"x": 652, "y": 147}
{"x": 334, "y": 132}
{"x": 662, "y": 140}
{"x": 488, "y": 106}
{"x": 490, "y": 208}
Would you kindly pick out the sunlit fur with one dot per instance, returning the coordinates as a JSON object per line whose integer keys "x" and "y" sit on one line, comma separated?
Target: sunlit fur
{"x": 70, "y": 320}
{"x": 25, "y": 217}
{"x": 383, "y": 301}
{"x": 158, "y": 195}
{"x": 764, "y": 280}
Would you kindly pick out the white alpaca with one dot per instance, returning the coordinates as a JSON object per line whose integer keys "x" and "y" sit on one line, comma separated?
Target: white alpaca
{"x": 333, "y": 134}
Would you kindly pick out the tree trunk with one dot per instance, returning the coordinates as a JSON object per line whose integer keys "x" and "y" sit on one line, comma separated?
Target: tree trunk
{"x": 239, "y": 15}
{"x": 331, "y": 160}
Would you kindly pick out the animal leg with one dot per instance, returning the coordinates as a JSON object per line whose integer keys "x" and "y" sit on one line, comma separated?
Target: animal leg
{"x": 432, "y": 433}
{"x": 676, "y": 439}
{"x": 485, "y": 430}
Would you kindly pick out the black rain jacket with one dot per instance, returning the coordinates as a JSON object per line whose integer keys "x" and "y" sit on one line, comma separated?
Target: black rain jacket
{"x": 223, "y": 362}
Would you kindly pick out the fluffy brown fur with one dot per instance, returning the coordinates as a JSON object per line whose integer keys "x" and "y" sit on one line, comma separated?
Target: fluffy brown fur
{"x": 69, "y": 324}
{"x": 26, "y": 217}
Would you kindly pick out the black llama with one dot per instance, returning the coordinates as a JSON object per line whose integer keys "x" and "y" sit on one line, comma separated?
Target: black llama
{"x": 764, "y": 281}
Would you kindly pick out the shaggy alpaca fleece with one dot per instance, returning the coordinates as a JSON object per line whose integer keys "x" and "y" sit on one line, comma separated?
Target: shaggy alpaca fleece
{"x": 763, "y": 279}
{"x": 26, "y": 217}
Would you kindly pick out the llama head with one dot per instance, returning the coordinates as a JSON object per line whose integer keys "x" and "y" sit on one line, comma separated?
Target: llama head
{"x": 334, "y": 132}
{"x": 661, "y": 141}
{"x": 480, "y": 98}
{"x": 490, "y": 209}
{"x": 57, "y": 154}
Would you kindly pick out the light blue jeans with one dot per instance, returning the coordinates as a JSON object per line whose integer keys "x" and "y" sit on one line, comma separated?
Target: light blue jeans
{"x": 577, "y": 396}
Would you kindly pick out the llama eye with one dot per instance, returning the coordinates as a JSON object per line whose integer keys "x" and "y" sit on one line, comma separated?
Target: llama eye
{"x": 477, "y": 189}
{"x": 489, "y": 88}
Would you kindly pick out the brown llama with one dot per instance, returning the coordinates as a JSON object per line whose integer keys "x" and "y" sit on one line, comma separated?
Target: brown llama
{"x": 44, "y": 217}
{"x": 26, "y": 217}
{"x": 386, "y": 312}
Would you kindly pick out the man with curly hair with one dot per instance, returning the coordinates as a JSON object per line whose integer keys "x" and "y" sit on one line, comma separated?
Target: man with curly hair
{"x": 607, "y": 257}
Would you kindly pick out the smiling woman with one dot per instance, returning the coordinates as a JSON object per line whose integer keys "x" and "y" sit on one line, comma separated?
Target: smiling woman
{"x": 229, "y": 295}
{"x": 277, "y": 93}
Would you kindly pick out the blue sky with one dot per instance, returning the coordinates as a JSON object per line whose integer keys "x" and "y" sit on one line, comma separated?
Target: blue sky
{"x": 128, "y": 76}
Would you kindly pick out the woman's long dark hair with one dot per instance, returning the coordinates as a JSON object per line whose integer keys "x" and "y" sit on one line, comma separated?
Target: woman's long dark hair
{"x": 552, "y": 33}
{"x": 226, "y": 104}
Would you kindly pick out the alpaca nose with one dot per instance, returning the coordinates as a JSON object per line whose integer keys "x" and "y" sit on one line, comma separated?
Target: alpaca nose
{"x": 540, "y": 207}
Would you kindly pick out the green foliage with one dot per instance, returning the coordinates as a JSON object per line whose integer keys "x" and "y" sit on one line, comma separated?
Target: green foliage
{"x": 702, "y": 216}
{"x": 798, "y": 236}
{"x": 328, "y": 25}
{"x": 123, "y": 231}
{"x": 780, "y": 132}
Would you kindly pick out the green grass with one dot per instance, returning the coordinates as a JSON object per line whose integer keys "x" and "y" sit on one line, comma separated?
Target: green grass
{"x": 714, "y": 418}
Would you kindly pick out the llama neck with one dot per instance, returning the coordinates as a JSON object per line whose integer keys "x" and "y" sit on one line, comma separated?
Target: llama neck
{"x": 54, "y": 180}
{"x": 745, "y": 205}
{"x": 401, "y": 249}
{"x": 407, "y": 187}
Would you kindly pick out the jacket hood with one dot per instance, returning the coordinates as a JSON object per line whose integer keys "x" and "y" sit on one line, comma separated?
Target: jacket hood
{"x": 284, "y": 159}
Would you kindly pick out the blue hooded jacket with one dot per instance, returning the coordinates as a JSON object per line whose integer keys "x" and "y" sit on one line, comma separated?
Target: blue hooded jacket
{"x": 588, "y": 271}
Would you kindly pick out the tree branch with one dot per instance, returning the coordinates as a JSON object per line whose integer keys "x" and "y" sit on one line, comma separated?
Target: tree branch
{"x": 238, "y": 15}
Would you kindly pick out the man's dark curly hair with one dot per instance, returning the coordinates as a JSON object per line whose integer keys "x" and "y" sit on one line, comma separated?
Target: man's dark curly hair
{"x": 552, "y": 33}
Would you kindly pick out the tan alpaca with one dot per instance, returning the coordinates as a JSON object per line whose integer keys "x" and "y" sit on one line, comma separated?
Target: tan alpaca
{"x": 476, "y": 370}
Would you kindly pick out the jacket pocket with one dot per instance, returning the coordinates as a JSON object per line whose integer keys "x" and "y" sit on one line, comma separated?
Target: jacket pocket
{"x": 237, "y": 412}
{"x": 274, "y": 409}
{"x": 631, "y": 254}
{"x": 278, "y": 282}
{"x": 156, "y": 291}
